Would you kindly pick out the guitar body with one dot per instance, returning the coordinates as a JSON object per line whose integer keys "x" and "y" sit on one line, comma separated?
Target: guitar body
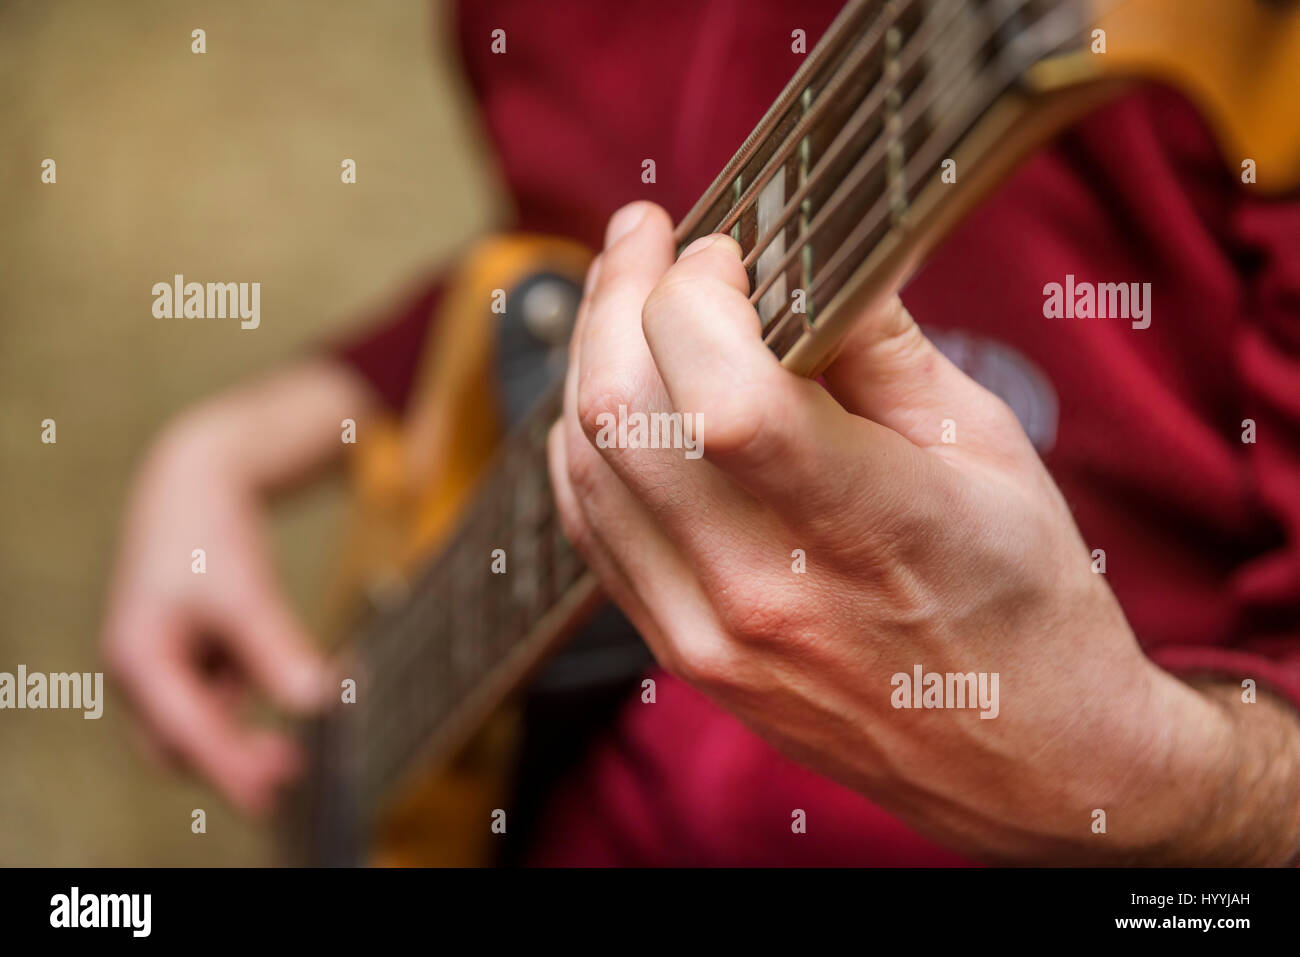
{"x": 410, "y": 480}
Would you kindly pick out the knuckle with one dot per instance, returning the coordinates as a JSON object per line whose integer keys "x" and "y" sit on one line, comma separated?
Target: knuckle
{"x": 685, "y": 296}
{"x": 1003, "y": 421}
{"x": 706, "y": 662}
{"x": 598, "y": 404}
{"x": 737, "y": 428}
{"x": 896, "y": 334}
{"x": 751, "y": 615}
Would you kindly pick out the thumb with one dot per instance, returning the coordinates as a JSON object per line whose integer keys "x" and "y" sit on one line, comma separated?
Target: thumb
{"x": 889, "y": 372}
{"x": 269, "y": 641}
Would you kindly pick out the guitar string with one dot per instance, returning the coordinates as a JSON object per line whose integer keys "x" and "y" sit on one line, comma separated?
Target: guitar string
{"x": 867, "y": 111}
{"x": 868, "y": 162}
{"x": 847, "y": 246}
{"x": 417, "y": 616}
{"x": 802, "y": 80}
{"x": 575, "y": 577}
{"x": 410, "y": 728}
{"x": 390, "y": 671}
{"x": 913, "y": 110}
{"x": 858, "y": 53}
{"x": 846, "y": 26}
{"x": 405, "y": 735}
{"x": 851, "y": 60}
{"x": 1073, "y": 10}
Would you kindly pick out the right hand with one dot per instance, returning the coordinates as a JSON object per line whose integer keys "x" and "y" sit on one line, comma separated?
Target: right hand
{"x": 188, "y": 648}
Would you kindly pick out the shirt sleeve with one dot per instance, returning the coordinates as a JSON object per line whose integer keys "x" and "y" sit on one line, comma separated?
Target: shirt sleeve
{"x": 1265, "y": 589}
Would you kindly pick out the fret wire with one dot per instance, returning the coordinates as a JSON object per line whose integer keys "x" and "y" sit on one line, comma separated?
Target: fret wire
{"x": 866, "y": 164}
{"x": 494, "y": 520}
{"x": 1009, "y": 9}
{"x": 391, "y": 653}
{"x": 500, "y": 528}
{"x": 466, "y": 652}
{"x": 857, "y": 121}
{"x": 842, "y": 30}
{"x": 805, "y": 209}
{"x": 734, "y": 228}
{"x": 1021, "y": 5}
{"x": 478, "y": 570}
{"x": 395, "y": 631}
{"x": 383, "y": 643}
{"x": 848, "y": 245}
{"x": 516, "y": 597}
{"x": 542, "y": 510}
{"x": 843, "y": 71}
{"x": 913, "y": 111}
{"x": 420, "y": 630}
{"x": 391, "y": 685}
{"x": 874, "y": 217}
{"x": 996, "y": 75}
{"x": 465, "y": 592}
{"x": 859, "y": 53}
{"x": 523, "y": 563}
{"x": 401, "y": 648}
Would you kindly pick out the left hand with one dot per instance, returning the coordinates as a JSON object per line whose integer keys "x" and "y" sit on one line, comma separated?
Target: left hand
{"x": 957, "y": 557}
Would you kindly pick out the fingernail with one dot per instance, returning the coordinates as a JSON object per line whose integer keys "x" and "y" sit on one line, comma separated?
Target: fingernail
{"x": 701, "y": 243}
{"x": 623, "y": 222}
{"x": 705, "y": 242}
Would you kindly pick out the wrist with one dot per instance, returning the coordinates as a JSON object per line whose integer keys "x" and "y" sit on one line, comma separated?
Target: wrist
{"x": 1143, "y": 774}
{"x": 1256, "y": 819}
{"x": 205, "y": 441}
{"x": 1184, "y": 762}
{"x": 1220, "y": 781}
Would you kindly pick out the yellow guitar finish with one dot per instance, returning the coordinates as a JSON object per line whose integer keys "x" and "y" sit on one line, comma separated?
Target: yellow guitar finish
{"x": 1237, "y": 59}
{"x": 411, "y": 480}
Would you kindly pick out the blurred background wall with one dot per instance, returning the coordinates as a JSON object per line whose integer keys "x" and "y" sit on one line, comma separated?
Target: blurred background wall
{"x": 223, "y": 166}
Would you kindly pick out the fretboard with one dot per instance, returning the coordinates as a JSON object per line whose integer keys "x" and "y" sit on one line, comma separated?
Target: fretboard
{"x": 833, "y": 200}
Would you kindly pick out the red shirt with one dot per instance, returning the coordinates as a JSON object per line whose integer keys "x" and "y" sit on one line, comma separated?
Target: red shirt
{"x": 1142, "y": 429}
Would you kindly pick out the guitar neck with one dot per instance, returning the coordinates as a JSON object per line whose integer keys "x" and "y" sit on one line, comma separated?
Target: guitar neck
{"x": 503, "y": 591}
{"x": 903, "y": 117}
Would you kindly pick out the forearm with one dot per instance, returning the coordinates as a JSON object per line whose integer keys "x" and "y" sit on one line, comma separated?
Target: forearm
{"x": 1251, "y": 788}
{"x": 275, "y": 431}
